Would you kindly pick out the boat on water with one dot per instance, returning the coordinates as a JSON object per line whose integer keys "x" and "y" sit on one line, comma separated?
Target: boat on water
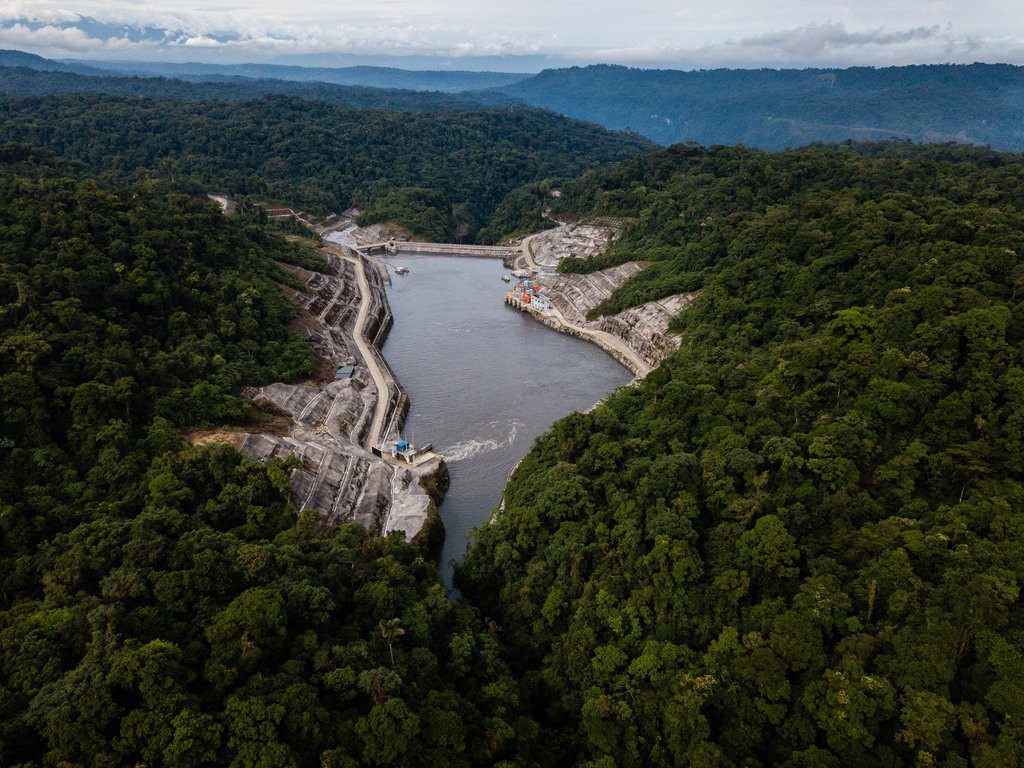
{"x": 401, "y": 270}
{"x": 507, "y": 278}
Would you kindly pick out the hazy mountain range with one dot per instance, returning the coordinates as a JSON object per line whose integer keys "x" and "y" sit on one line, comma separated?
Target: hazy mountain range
{"x": 772, "y": 109}
{"x": 452, "y": 81}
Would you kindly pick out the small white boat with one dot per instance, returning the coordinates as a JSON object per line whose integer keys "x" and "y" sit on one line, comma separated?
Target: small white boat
{"x": 507, "y": 278}
{"x": 401, "y": 270}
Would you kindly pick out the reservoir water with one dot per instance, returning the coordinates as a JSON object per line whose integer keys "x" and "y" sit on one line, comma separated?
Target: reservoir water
{"x": 484, "y": 380}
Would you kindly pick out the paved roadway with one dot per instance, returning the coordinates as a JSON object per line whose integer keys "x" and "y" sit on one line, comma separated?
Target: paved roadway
{"x": 526, "y": 260}
{"x": 367, "y": 352}
{"x": 640, "y": 366}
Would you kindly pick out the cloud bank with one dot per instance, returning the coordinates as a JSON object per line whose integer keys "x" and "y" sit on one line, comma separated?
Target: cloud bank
{"x": 406, "y": 28}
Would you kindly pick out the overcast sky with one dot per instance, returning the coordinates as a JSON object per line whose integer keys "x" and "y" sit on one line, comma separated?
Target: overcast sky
{"x": 528, "y": 33}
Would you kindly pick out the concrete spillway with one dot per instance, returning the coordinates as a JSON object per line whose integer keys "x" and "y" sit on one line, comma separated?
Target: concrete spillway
{"x": 443, "y": 249}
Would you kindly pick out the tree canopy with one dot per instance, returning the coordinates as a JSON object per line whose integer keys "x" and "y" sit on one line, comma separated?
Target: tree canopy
{"x": 320, "y": 156}
{"x": 799, "y": 541}
{"x": 164, "y": 605}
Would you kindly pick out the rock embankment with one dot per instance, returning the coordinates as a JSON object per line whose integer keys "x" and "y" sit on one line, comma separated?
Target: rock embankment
{"x": 576, "y": 295}
{"x": 645, "y": 329}
{"x": 330, "y": 421}
{"x": 581, "y": 241}
{"x": 639, "y": 338}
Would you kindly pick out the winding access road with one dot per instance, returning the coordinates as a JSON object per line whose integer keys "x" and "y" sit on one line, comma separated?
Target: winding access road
{"x": 526, "y": 259}
{"x": 639, "y": 366}
{"x": 367, "y": 352}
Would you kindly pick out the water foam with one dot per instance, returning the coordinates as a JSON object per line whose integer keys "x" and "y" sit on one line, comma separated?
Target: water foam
{"x": 469, "y": 448}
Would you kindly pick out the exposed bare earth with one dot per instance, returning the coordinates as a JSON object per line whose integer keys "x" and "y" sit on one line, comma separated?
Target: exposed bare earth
{"x": 639, "y": 338}
{"x": 333, "y": 424}
{"x": 580, "y": 241}
{"x": 204, "y": 436}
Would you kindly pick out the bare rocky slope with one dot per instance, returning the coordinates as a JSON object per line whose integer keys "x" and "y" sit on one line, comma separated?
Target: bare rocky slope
{"x": 330, "y": 421}
{"x": 639, "y": 338}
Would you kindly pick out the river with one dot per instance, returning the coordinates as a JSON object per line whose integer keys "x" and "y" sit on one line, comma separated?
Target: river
{"x": 484, "y": 380}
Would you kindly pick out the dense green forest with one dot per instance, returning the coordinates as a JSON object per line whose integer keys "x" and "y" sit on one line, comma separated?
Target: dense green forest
{"x": 321, "y": 156}
{"x": 776, "y": 109}
{"x": 685, "y": 205}
{"x": 161, "y": 605}
{"x": 24, "y": 81}
{"x": 797, "y": 543}
{"x": 800, "y": 541}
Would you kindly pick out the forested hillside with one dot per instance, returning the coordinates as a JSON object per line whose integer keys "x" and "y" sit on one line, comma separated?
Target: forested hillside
{"x": 162, "y": 605}
{"x": 25, "y": 81}
{"x": 768, "y": 108}
{"x": 444, "y": 81}
{"x": 797, "y": 543}
{"x": 776, "y": 109}
{"x": 800, "y": 542}
{"x": 322, "y": 156}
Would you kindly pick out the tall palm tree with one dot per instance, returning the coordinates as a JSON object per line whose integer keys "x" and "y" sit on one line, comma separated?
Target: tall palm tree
{"x": 390, "y": 631}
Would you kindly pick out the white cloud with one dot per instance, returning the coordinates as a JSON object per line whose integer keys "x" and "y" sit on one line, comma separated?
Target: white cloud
{"x": 815, "y": 39}
{"x": 69, "y": 39}
{"x": 672, "y": 33}
{"x": 823, "y": 45}
{"x": 36, "y": 11}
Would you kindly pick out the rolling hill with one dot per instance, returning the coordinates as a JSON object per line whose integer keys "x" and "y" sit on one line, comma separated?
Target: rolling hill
{"x": 775, "y": 109}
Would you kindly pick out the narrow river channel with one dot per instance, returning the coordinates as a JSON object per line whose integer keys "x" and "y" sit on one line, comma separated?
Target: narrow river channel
{"x": 484, "y": 380}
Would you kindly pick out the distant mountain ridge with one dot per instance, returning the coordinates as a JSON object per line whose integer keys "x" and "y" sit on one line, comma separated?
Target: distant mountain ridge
{"x": 766, "y": 108}
{"x": 453, "y": 81}
{"x": 35, "y": 81}
{"x": 13, "y": 58}
{"x": 443, "y": 81}
{"x": 775, "y": 109}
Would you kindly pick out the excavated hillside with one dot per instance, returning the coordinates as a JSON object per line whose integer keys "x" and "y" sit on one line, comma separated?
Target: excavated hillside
{"x": 330, "y": 429}
{"x": 639, "y": 337}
